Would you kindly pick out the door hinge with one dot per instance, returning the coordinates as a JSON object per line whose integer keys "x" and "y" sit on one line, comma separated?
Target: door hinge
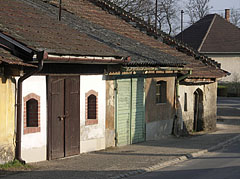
{"x": 116, "y": 138}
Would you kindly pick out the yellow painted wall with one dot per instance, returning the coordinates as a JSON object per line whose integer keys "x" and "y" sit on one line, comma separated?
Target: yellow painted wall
{"x": 7, "y": 115}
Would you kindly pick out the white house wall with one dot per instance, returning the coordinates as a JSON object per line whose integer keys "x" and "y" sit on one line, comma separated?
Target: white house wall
{"x": 209, "y": 104}
{"x": 34, "y": 145}
{"x": 92, "y": 137}
{"x": 230, "y": 63}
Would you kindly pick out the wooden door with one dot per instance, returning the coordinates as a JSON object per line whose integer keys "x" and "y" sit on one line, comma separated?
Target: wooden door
{"x": 130, "y": 112}
{"x": 123, "y": 112}
{"x": 198, "y": 111}
{"x": 72, "y": 120}
{"x": 138, "y": 111}
{"x": 64, "y": 116}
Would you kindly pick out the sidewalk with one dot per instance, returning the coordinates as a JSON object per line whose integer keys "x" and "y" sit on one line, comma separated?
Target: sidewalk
{"x": 147, "y": 156}
{"x": 133, "y": 159}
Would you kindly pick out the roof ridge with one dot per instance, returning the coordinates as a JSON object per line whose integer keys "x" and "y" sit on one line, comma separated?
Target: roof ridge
{"x": 205, "y": 37}
{"x": 228, "y": 21}
{"x": 150, "y": 30}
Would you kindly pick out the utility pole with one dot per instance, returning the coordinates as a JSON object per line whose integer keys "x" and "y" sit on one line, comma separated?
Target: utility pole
{"x": 60, "y": 10}
{"x": 156, "y": 9}
{"x": 182, "y": 12}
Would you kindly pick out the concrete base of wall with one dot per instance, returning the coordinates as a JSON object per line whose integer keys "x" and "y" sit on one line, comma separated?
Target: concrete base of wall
{"x": 34, "y": 154}
{"x": 158, "y": 129}
{"x": 109, "y": 138}
{"x": 92, "y": 145}
{"x": 6, "y": 153}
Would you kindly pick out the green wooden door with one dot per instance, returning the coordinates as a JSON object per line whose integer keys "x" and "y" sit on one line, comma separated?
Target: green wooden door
{"x": 130, "y": 111}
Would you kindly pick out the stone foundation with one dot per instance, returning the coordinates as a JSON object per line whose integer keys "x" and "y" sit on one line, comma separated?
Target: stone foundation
{"x": 6, "y": 153}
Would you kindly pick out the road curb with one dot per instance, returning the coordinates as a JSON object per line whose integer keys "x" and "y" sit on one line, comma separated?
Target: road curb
{"x": 180, "y": 159}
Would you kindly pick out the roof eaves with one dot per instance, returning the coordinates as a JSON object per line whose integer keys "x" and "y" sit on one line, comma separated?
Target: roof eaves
{"x": 8, "y": 41}
{"x": 85, "y": 59}
{"x": 224, "y": 53}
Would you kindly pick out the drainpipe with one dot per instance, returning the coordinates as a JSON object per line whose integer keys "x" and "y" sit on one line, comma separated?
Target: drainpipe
{"x": 178, "y": 116}
{"x": 40, "y": 57}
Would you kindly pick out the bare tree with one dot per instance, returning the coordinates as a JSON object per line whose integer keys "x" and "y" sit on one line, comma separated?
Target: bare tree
{"x": 197, "y": 9}
{"x": 166, "y": 12}
{"x": 235, "y": 17}
{"x": 140, "y": 8}
{"x": 168, "y": 15}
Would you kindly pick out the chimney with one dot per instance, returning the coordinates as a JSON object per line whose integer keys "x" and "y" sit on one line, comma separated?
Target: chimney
{"x": 227, "y": 14}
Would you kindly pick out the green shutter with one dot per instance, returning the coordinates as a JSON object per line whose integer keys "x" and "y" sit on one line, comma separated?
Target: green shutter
{"x": 130, "y": 111}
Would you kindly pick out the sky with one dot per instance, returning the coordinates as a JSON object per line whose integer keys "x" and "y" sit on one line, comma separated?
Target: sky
{"x": 224, "y": 4}
{"x": 218, "y": 6}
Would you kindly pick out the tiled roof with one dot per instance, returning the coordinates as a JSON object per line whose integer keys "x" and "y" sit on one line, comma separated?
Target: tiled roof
{"x": 8, "y": 58}
{"x": 213, "y": 34}
{"x": 141, "y": 54}
{"x": 113, "y": 19}
{"x": 38, "y": 31}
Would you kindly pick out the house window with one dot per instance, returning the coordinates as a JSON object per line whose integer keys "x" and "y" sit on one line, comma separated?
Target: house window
{"x": 185, "y": 101}
{"x": 91, "y": 107}
{"x": 31, "y": 113}
{"x": 161, "y": 92}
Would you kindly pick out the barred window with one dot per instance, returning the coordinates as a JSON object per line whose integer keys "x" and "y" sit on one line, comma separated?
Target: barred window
{"x": 32, "y": 113}
{"x": 92, "y": 107}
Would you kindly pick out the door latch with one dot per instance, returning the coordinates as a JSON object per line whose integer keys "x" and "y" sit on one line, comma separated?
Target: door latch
{"x": 61, "y": 118}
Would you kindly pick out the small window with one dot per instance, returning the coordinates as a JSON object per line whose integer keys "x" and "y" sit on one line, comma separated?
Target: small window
{"x": 161, "y": 92}
{"x": 185, "y": 102}
{"x": 32, "y": 113}
{"x": 92, "y": 107}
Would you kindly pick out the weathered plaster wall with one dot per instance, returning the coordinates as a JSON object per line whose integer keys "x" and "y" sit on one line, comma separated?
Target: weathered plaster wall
{"x": 92, "y": 137}
{"x": 110, "y": 103}
{"x": 7, "y": 116}
{"x": 230, "y": 63}
{"x": 209, "y": 105}
{"x": 34, "y": 144}
{"x": 159, "y": 117}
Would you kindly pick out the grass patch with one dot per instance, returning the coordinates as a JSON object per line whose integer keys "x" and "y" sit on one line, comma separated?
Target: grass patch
{"x": 14, "y": 165}
{"x": 222, "y": 86}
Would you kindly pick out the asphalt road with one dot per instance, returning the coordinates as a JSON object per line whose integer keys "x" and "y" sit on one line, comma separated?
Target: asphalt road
{"x": 223, "y": 164}
{"x": 228, "y": 109}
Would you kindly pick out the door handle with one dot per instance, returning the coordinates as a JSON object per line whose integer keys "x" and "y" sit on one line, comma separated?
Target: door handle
{"x": 61, "y": 118}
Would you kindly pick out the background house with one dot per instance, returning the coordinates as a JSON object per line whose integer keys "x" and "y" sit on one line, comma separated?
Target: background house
{"x": 218, "y": 39}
